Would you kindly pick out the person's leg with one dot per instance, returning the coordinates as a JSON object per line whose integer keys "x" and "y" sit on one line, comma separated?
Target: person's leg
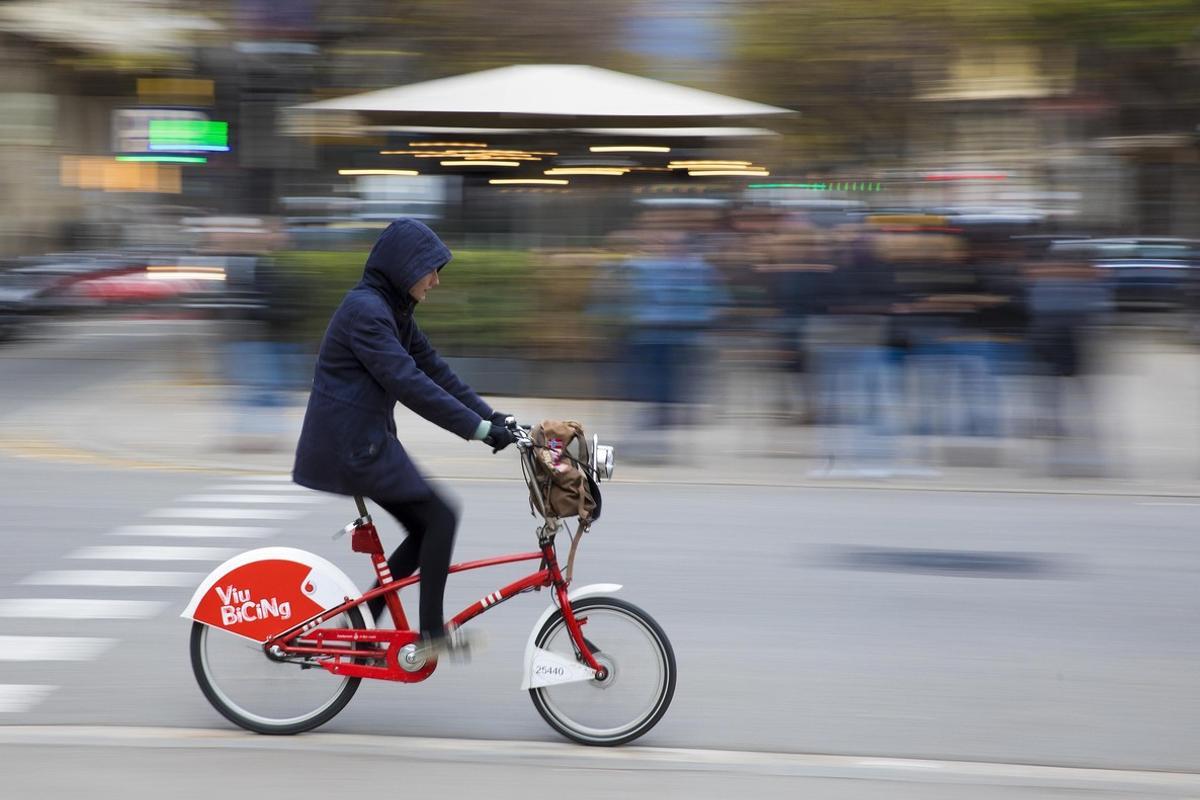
{"x": 436, "y": 549}
{"x": 431, "y": 524}
{"x": 403, "y": 561}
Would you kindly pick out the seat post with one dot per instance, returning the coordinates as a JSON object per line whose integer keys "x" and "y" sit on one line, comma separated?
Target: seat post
{"x": 366, "y": 540}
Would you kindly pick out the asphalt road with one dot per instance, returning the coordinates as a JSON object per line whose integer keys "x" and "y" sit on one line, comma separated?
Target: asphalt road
{"x": 1017, "y": 628}
{"x": 1046, "y": 629}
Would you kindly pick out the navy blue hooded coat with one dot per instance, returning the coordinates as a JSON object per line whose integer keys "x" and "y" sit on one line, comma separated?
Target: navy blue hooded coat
{"x": 373, "y": 356}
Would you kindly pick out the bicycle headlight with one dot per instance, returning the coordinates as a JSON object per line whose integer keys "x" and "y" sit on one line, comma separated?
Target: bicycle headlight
{"x": 603, "y": 460}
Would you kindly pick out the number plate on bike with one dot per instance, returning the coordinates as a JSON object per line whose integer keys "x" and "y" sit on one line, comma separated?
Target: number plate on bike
{"x": 548, "y": 669}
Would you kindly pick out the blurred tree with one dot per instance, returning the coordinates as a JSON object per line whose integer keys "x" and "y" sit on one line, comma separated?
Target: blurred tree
{"x": 848, "y": 66}
{"x": 1114, "y": 24}
{"x": 1139, "y": 54}
{"x": 853, "y": 67}
{"x": 424, "y": 39}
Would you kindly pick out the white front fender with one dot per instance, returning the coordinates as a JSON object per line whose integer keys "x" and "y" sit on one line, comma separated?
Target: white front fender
{"x": 590, "y": 590}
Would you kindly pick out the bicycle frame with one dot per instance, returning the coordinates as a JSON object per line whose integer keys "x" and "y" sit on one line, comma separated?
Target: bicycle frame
{"x": 344, "y": 649}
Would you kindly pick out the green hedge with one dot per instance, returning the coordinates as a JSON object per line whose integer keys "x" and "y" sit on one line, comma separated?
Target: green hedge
{"x": 484, "y": 305}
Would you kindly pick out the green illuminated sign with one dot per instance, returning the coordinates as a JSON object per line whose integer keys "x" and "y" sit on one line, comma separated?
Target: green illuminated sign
{"x": 166, "y": 159}
{"x": 189, "y": 134}
{"x": 829, "y": 186}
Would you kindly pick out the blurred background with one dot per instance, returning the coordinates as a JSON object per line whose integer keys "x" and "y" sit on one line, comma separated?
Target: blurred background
{"x": 867, "y": 260}
{"x": 899, "y": 236}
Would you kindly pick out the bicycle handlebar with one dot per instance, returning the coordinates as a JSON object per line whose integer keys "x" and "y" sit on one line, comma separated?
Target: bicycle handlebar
{"x": 523, "y": 438}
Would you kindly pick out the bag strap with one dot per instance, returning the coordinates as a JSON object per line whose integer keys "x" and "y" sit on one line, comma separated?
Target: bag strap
{"x": 579, "y": 532}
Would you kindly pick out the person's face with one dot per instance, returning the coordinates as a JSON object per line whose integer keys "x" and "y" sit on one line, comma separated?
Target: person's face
{"x": 422, "y": 287}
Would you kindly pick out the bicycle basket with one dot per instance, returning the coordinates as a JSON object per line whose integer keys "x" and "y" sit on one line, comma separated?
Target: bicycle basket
{"x": 563, "y": 474}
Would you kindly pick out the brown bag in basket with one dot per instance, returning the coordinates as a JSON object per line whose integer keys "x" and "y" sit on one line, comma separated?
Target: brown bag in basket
{"x": 563, "y": 473}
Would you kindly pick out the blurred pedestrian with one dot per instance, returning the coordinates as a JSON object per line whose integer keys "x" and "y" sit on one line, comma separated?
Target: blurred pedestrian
{"x": 929, "y": 314}
{"x": 799, "y": 274}
{"x": 850, "y": 346}
{"x": 255, "y": 362}
{"x": 262, "y": 310}
{"x": 673, "y": 297}
{"x": 988, "y": 346}
{"x": 1064, "y": 299}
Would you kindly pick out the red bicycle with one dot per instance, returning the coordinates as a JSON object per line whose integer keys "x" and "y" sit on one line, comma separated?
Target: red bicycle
{"x": 280, "y": 642}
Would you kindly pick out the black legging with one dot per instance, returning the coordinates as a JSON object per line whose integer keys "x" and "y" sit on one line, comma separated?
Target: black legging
{"x": 430, "y": 523}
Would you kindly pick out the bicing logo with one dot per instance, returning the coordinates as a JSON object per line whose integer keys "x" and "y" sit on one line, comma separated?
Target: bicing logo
{"x": 237, "y": 606}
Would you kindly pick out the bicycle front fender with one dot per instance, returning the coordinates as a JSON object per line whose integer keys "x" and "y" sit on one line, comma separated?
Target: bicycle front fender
{"x": 261, "y": 593}
{"x": 591, "y": 590}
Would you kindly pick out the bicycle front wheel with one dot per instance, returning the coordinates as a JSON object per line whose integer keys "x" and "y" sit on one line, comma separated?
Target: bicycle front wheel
{"x": 264, "y": 694}
{"x": 635, "y": 693}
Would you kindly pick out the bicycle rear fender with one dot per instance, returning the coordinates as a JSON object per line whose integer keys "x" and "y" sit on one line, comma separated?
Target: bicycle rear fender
{"x": 531, "y": 649}
{"x": 263, "y": 592}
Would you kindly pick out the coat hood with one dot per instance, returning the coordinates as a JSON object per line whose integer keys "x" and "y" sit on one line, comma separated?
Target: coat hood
{"x": 403, "y": 254}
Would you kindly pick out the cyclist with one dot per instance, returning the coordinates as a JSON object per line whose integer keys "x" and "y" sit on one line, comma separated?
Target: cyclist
{"x": 372, "y": 356}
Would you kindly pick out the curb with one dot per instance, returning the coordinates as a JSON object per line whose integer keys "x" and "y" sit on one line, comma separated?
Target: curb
{"x": 562, "y": 755}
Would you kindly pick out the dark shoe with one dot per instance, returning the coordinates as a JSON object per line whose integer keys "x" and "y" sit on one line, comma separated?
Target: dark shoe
{"x": 453, "y": 642}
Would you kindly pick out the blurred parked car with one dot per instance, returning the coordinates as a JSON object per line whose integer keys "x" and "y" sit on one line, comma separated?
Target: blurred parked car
{"x": 1146, "y": 274}
{"x": 39, "y": 287}
{"x": 56, "y": 285}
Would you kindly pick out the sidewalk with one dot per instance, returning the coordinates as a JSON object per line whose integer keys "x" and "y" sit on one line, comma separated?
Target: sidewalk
{"x": 1147, "y": 421}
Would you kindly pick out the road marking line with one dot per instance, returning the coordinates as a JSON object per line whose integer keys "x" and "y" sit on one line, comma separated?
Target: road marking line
{"x": 195, "y": 531}
{"x": 630, "y": 757}
{"x": 112, "y": 577}
{"x": 266, "y": 478}
{"x": 75, "y": 608}
{"x": 94, "y": 334}
{"x": 249, "y": 498}
{"x": 152, "y": 553}
{"x": 18, "y": 697}
{"x": 46, "y": 450}
{"x": 52, "y": 648}
{"x": 226, "y": 513}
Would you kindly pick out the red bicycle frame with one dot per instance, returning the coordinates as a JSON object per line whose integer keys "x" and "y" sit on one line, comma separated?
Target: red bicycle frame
{"x": 344, "y": 650}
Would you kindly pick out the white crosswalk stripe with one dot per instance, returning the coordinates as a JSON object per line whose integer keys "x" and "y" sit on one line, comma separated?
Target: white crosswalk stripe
{"x": 245, "y": 508}
{"x": 75, "y": 608}
{"x": 112, "y": 577}
{"x": 19, "y": 697}
{"x": 152, "y": 553}
{"x": 195, "y": 531}
{"x": 52, "y": 648}
{"x": 282, "y": 488}
{"x": 250, "y": 498}
{"x": 226, "y": 513}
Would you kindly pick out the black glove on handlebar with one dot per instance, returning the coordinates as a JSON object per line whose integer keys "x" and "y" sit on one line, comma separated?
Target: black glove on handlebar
{"x": 499, "y": 437}
{"x": 499, "y": 418}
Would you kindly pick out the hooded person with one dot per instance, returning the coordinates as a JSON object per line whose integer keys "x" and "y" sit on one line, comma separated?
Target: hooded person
{"x": 373, "y": 356}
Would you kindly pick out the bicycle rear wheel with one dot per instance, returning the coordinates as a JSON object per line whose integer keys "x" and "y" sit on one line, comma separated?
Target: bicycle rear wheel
{"x": 640, "y": 683}
{"x": 264, "y": 694}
